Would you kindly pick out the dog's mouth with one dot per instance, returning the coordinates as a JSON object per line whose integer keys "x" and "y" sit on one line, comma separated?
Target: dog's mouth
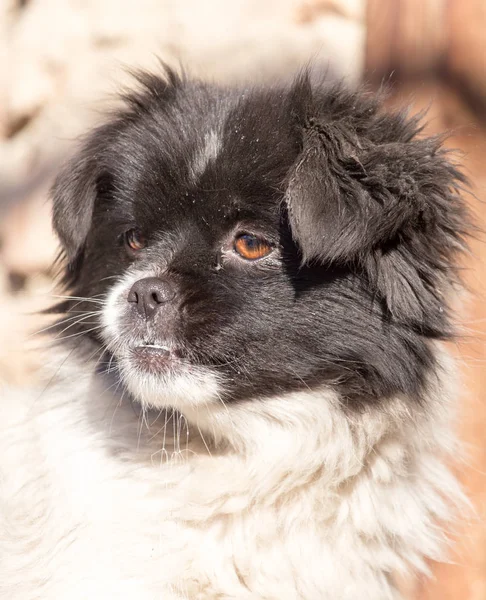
{"x": 155, "y": 358}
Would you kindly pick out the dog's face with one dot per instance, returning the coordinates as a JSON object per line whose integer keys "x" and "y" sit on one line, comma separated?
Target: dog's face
{"x": 239, "y": 244}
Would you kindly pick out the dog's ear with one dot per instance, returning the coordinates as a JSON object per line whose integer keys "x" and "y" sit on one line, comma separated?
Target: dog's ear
{"x": 73, "y": 195}
{"x": 85, "y": 177}
{"x": 348, "y": 193}
{"x": 367, "y": 191}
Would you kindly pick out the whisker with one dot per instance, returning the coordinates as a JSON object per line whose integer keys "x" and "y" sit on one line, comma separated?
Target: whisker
{"x": 54, "y": 325}
{"x": 79, "y": 320}
{"x": 202, "y": 436}
{"x": 80, "y": 333}
{"x": 93, "y": 299}
{"x": 118, "y": 404}
{"x": 78, "y": 303}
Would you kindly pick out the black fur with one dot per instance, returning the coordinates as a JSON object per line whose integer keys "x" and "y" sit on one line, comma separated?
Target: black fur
{"x": 366, "y": 214}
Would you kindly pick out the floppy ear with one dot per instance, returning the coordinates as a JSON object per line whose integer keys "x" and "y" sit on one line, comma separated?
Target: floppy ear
{"x": 367, "y": 191}
{"x": 346, "y": 196}
{"x": 73, "y": 196}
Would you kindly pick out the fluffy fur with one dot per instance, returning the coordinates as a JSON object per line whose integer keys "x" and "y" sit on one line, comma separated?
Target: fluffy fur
{"x": 275, "y": 428}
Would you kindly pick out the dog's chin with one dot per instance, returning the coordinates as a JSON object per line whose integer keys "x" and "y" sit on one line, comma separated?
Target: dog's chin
{"x": 158, "y": 378}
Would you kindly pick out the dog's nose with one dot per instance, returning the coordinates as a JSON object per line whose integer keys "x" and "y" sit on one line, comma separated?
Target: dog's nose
{"x": 149, "y": 294}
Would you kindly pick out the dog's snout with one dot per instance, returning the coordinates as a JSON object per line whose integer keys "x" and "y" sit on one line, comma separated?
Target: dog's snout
{"x": 149, "y": 294}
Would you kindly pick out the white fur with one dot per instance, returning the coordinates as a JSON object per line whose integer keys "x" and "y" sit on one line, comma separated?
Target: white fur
{"x": 292, "y": 497}
{"x": 208, "y": 153}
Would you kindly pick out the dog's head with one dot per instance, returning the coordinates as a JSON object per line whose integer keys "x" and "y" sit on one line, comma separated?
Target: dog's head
{"x": 241, "y": 243}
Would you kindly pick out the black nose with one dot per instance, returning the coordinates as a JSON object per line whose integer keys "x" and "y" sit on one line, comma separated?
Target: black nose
{"x": 149, "y": 294}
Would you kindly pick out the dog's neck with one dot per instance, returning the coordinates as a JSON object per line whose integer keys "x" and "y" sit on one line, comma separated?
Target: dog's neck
{"x": 310, "y": 428}
{"x": 269, "y": 447}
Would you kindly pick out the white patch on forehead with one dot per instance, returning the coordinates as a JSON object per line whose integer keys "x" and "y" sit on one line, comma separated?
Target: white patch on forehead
{"x": 209, "y": 152}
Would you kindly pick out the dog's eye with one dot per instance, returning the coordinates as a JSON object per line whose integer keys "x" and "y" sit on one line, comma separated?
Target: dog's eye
{"x": 135, "y": 239}
{"x": 251, "y": 247}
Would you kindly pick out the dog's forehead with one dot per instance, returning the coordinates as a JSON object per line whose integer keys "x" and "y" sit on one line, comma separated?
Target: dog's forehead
{"x": 221, "y": 157}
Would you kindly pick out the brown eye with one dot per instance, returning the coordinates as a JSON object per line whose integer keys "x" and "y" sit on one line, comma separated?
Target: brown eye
{"x": 251, "y": 247}
{"x": 135, "y": 239}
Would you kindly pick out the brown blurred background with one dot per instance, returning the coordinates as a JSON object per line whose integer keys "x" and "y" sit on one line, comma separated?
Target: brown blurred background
{"x": 62, "y": 60}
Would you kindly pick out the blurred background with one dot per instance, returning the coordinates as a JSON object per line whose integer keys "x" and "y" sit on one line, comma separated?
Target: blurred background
{"x": 61, "y": 62}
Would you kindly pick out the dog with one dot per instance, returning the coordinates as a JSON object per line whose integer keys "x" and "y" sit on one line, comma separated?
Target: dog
{"x": 254, "y": 399}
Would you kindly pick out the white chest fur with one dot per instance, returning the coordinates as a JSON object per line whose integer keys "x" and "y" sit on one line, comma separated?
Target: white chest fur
{"x": 282, "y": 499}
